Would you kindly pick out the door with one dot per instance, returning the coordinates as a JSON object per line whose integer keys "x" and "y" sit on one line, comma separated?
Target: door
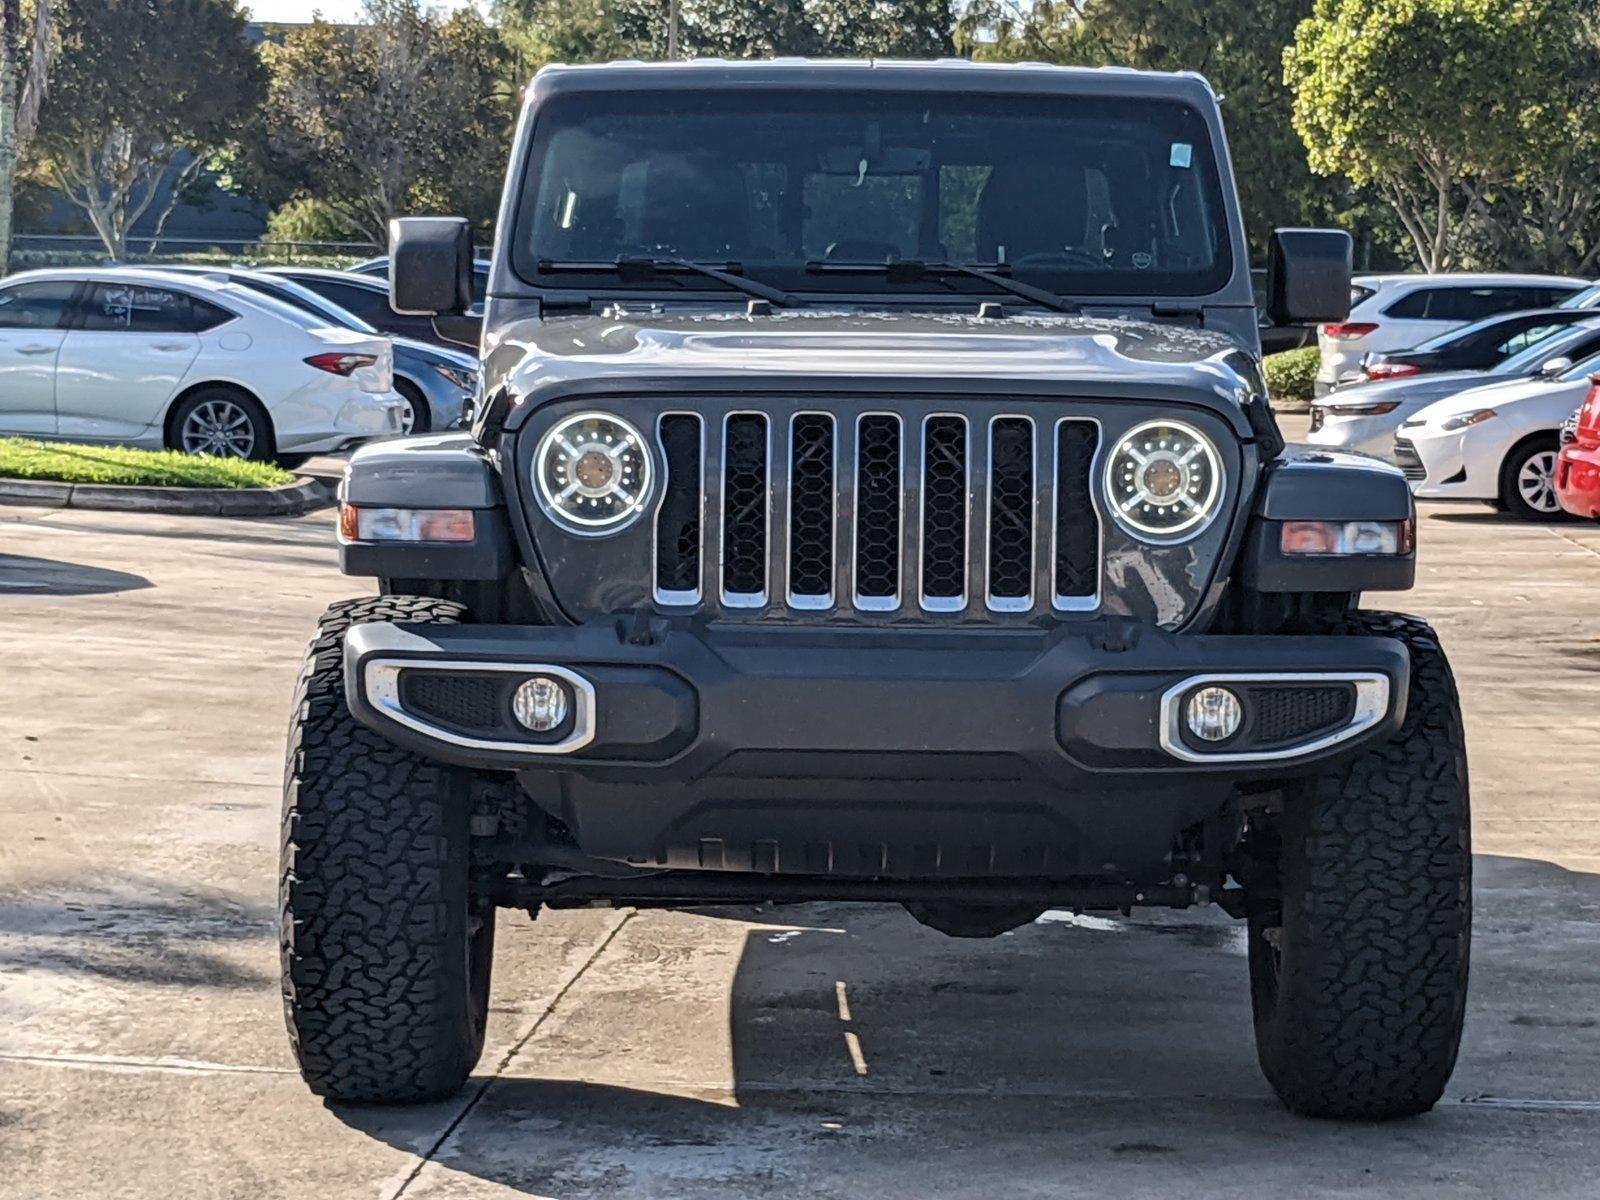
{"x": 32, "y": 328}
{"x": 129, "y": 348}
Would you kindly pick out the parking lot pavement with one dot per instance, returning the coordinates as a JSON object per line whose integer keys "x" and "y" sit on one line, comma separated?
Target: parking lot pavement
{"x": 824, "y": 1050}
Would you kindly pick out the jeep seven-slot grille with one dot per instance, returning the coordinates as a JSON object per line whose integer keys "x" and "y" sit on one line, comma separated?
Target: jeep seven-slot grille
{"x": 878, "y": 512}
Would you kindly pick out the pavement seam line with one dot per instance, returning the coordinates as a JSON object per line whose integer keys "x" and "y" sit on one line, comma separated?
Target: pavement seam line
{"x": 515, "y": 1048}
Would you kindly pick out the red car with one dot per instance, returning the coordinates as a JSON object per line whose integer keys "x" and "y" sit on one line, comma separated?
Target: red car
{"x": 1578, "y": 472}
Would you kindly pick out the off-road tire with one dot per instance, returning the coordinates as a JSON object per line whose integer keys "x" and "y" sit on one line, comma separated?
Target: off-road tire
{"x": 1358, "y": 1011}
{"x": 385, "y": 957}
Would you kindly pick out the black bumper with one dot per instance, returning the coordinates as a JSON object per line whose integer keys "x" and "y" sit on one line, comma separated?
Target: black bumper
{"x": 907, "y": 752}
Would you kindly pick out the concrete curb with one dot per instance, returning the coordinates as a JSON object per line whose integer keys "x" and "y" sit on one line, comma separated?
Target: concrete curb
{"x": 305, "y": 494}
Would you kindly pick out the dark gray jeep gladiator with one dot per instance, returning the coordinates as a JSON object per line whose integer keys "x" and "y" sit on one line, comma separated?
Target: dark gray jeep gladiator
{"x": 873, "y": 496}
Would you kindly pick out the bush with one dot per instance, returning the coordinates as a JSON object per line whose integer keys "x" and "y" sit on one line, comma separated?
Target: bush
{"x": 1292, "y": 374}
{"x": 63, "y": 462}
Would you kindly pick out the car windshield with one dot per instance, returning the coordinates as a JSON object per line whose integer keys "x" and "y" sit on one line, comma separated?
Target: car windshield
{"x": 1466, "y": 333}
{"x": 1073, "y": 194}
{"x": 1582, "y": 370}
{"x": 1589, "y": 297}
{"x": 297, "y": 296}
{"x": 1535, "y": 356}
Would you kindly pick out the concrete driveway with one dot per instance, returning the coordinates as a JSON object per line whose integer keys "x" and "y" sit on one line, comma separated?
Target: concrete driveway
{"x": 818, "y": 1051}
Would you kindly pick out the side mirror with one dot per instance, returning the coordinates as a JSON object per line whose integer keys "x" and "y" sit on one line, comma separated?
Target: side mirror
{"x": 1559, "y": 365}
{"x": 430, "y": 265}
{"x": 1308, "y": 276}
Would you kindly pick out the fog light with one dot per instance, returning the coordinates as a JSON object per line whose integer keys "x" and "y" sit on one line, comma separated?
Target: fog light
{"x": 1214, "y": 714}
{"x": 540, "y": 703}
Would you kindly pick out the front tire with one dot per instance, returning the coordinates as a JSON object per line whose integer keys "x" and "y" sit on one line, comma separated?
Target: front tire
{"x": 385, "y": 954}
{"x": 1360, "y": 920}
{"x": 1528, "y": 480}
{"x": 417, "y": 417}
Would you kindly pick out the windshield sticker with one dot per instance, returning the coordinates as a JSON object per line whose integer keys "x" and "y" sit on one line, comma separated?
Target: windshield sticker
{"x": 1182, "y": 154}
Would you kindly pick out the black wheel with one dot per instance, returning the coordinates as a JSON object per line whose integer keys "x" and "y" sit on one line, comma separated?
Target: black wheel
{"x": 417, "y": 418}
{"x": 385, "y": 954}
{"x": 1360, "y": 918}
{"x": 221, "y": 421}
{"x": 1528, "y": 480}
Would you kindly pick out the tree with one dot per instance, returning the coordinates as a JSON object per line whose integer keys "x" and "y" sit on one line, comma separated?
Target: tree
{"x": 1435, "y": 103}
{"x": 22, "y": 88}
{"x": 1236, "y": 44}
{"x": 596, "y": 30}
{"x": 408, "y": 112}
{"x": 143, "y": 91}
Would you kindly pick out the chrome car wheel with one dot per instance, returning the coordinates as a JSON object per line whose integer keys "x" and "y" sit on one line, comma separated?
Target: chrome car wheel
{"x": 408, "y": 414}
{"x": 1536, "y": 482}
{"x": 218, "y": 427}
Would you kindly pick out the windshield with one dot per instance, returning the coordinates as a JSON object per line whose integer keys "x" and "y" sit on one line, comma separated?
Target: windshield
{"x": 1078, "y": 195}
{"x": 1589, "y": 297}
{"x": 1583, "y": 370}
{"x": 294, "y": 294}
{"x": 1541, "y": 352}
{"x": 1466, "y": 333}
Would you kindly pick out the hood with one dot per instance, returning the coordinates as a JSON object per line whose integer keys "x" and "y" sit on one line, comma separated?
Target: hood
{"x": 1501, "y": 395}
{"x": 539, "y": 359}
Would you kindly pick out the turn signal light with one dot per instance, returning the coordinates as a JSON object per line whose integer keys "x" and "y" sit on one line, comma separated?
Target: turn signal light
{"x": 1348, "y": 537}
{"x": 405, "y": 524}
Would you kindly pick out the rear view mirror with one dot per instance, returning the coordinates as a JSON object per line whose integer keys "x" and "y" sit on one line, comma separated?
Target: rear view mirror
{"x": 1556, "y": 366}
{"x": 1308, "y": 276}
{"x": 430, "y": 265}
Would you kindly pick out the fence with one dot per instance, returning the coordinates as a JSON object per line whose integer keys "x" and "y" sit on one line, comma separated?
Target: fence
{"x": 80, "y": 250}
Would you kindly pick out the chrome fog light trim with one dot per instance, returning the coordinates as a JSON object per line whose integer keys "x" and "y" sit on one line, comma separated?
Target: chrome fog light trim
{"x": 380, "y": 684}
{"x": 1372, "y": 704}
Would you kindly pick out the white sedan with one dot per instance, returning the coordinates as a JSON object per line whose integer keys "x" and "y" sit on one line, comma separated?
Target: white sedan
{"x": 140, "y": 357}
{"x": 1498, "y": 443}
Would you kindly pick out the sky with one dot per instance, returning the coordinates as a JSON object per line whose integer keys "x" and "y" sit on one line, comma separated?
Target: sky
{"x": 333, "y": 10}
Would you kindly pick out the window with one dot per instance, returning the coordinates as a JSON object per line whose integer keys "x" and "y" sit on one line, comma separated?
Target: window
{"x": 371, "y": 306}
{"x": 36, "y": 305}
{"x": 144, "y": 308}
{"x": 1075, "y": 193}
{"x": 1465, "y": 303}
{"x": 1518, "y": 342}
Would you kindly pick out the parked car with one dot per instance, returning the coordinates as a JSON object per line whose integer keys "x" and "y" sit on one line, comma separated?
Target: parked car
{"x": 863, "y": 577}
{"x": 436, "y": 383}
{"x": 365, "y": 296}
{"x": 1475, "y": 347}
{"x": 1498, "y": 443}
{"x": 1588, "y": 298}
{"x": 145, "y": 358}
{"x": 1396, "y": 312}
{"x": 1364, "y": 418}
{"x": 378, "y": 268}
{"x": 1578, "y": 468}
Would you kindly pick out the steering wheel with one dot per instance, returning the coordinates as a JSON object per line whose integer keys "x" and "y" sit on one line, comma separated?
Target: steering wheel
{"x": 1064, "y": 257}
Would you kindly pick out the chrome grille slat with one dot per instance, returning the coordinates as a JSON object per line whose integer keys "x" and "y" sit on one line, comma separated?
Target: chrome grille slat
{"x": 936, "y": 511}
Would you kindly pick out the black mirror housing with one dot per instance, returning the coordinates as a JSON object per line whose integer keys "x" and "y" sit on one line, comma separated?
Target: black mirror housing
{"x": 1308, "y": 276}
{"x": 430, "y": 266}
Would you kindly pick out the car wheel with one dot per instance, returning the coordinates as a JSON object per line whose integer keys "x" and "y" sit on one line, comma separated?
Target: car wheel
{"x": 1528, "y": 480}
{"x": 1359, "y": 896}
{"x": 415, "y": 417}
{"x": 221, "y": 422}
{"x": 386, "y": 950}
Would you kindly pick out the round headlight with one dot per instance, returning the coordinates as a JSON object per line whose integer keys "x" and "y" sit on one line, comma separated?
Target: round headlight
{"x": 593, "y": 473}
{"x": 1164, "y": 481}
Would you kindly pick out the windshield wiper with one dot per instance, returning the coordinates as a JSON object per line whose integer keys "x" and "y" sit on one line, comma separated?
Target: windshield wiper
{"x": 910, "y": 270}
{"x": 646, "y": 268}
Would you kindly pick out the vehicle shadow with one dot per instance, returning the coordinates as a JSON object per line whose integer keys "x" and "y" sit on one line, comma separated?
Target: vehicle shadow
{"x": 872, "y": 1057}
{"x": 134, "y": 930}
{"x": 26, "y": 576}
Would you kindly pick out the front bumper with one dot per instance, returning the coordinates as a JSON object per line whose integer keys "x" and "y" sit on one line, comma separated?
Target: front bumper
{"x": 909, "y": 753}
{"x": 1358, "y": 435}
{"x": 694, "y": 702}
{"x": 1452, "y": 463}
{"x": 1578, "y": 480}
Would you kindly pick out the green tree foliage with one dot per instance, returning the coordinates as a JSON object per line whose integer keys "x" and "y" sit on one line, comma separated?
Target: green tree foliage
{"x": 1447, "y": 107}
{"x": 407, "y": 113}
{"x": 1236, "y": 44}
{"x": 596, "y": 30}
{"x": 140, "y": 95}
